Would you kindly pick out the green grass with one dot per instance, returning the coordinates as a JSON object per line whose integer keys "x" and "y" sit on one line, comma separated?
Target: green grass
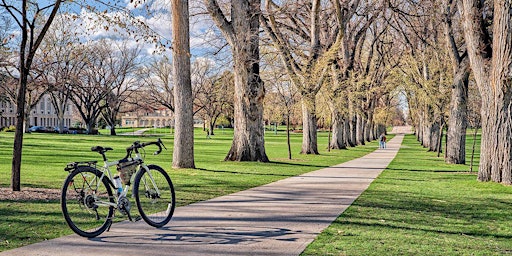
{"x": 45, "y": 155}
{"x": 422, "y": 206}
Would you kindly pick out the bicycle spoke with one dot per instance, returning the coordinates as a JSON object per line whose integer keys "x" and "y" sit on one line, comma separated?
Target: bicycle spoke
{"x": 154, "y": 195}
{"x": 81, "y": 202}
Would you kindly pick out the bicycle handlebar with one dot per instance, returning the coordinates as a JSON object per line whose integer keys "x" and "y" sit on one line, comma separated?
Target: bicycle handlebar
{"x": 136, "y": 145}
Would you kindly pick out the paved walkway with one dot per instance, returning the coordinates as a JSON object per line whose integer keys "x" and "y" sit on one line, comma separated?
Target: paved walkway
{"x": 137, "y": 132}
{"x": 280, "y": 218}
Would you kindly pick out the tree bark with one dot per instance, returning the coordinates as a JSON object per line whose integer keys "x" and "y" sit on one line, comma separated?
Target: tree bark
{"x": 434, "y": 136}
{"x": 348, "y": 132}
{"x": 457, "y": 122}
{"x": 18, "y": 135}
{"x": 360, "y": 125}
{"x": 183, "y": 154}
{"x": 309, "y": 129}
{"x": 492, "y": 64}
{"x": 242, "y": 34}
{"x": 338, "y": 132}
{"x": 288, "y": 135}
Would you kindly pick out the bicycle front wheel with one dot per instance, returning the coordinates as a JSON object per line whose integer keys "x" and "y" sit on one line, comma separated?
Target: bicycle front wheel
{"x": 154, "y": 195}
{"x": 84, "y": 202}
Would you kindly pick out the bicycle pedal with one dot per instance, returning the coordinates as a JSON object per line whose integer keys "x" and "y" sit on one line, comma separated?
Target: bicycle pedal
{"x": 138, "y": 218}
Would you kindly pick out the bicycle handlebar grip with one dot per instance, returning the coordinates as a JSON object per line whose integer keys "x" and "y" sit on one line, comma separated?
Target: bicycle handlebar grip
{"x": 159, "y": 147}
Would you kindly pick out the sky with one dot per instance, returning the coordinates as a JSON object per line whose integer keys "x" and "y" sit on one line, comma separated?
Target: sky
{"x": 155, "y": 14}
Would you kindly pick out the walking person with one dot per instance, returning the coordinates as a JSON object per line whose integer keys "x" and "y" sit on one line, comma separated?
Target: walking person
{"x": 382, "y": 141}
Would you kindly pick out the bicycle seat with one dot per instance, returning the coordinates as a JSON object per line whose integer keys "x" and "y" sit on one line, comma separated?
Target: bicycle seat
{"x": 101, "y": 149}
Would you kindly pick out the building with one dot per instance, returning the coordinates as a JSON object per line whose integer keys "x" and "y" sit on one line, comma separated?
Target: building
{"x": 162, "y": 117}
{"x": 43, "y": 114}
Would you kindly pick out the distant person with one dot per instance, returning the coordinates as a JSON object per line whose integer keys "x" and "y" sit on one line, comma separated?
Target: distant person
{"x": 382, "y": 141}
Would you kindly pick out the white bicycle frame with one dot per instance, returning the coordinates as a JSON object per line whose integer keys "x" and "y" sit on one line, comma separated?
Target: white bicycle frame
{"x": 105, "y": 169}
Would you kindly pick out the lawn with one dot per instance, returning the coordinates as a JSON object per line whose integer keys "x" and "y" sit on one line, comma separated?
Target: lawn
{"x": 45, "y": 155}
{"x": 421, "y": 206}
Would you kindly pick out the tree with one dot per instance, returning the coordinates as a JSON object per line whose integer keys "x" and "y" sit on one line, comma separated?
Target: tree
{"x": 308, "y": 36}
{"x": 282, "y": 97}
{"x": 60, "y": 63}
{"x": 242, "y": 34}
{"x": 457, "y": 121}
{"x": 183, "y": 154}
{"x": 121, "y": 65}
{"x": 156, "y": 79}
{"x": 213, "y": 93}
{"x": 488, "y": 43}
{"x": 90, "y": 87}
{"x": 26, "y": 15}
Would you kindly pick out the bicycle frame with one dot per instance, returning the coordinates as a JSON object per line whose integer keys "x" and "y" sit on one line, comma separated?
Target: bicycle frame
{"x": 105, "y": 170}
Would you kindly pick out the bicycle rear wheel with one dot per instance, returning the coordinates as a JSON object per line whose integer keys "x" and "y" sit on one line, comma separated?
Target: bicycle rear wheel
{"x": 82, "y": 195}
{"x": 154, "y": 195}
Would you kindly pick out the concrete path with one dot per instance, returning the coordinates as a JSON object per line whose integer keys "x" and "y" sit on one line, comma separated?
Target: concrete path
{"x": 280, "y": 218}
{"x": 137, "y": 132}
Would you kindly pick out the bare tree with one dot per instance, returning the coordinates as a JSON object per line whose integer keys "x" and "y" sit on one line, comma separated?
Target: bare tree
{"x": 60, "y": 63}
{"x": 282, "y": 96}
{"x": 121, "y": 65}
{"x": 26, "y": 15}
{"x": 242, "y": 33}
{"x": 90, "y": 88}
{"x": 213, "y": 96}
{"x": 156, "y": 80}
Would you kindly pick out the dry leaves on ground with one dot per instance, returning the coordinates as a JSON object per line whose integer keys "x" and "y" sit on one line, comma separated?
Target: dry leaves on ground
{"x": 27, "y": 194}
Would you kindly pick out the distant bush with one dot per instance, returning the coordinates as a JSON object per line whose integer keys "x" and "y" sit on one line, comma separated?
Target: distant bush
{"x": 11, "y": 128}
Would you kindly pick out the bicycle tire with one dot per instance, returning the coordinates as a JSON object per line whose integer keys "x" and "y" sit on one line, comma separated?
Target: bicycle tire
{"x": 80, "y": 192}
{"x": 155, "y": 209}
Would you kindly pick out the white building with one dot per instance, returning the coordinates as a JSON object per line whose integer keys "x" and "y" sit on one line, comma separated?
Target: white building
{"x": 43, "y": 114}
{"x": 162, "y": 117}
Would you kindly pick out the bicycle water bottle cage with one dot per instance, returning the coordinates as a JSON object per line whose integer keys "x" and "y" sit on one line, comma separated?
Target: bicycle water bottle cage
{"x": 72, "y": 166}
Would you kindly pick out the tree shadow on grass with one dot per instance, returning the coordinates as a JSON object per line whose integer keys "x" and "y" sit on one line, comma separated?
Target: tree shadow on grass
{"x": 246, "y": 173}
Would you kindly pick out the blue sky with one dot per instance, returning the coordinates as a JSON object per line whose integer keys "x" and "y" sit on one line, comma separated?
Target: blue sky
{"x": 154, "y": 13}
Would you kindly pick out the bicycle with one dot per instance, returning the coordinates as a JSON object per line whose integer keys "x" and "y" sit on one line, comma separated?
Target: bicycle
{"x": 91, "y": 195}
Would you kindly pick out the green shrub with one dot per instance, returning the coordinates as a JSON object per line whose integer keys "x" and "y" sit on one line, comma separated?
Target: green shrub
{"x": 11, "y": 128}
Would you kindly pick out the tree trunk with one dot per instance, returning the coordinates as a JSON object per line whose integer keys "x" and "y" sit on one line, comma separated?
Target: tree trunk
{"x": 242, "y": 34}
{"x": 434, "y": 136}
{"x": 439, "y": 145}
{"x": 183, "y": 154}
{"x": 288, "y": 135}
{"x": 493, "y": 77}
{"x": 457, "y": 122}
{"x": 360, "y": 130}
{"x": 212, "y": 126}
{"x": 338, "y": 129}
{"x": 18, "y": 135}
{"x": 473, "y": 149}
{"x": 26, "y": 57}
{"x": 309, "y": 129}
{"x": 427, "y": 133}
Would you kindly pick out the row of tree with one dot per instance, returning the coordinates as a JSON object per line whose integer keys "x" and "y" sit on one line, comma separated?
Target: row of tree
{"x": 349, "y": 55}
{"x": 453, "y": 44}
{"x": 341, "y": 54}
